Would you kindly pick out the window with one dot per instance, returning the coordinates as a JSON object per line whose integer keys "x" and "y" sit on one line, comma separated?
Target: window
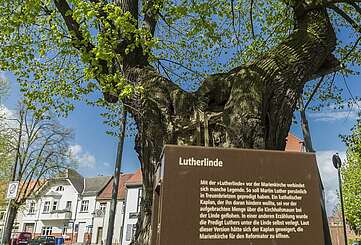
{"x": 84, "y": 206}
{"x": 130, "y": 232}
{"x": 60, "y": 188}
{"x": 128, "y": 236}
{"x": 55, "y": 206}
{"x": 103, "y": 206}
{"x": 29, "y": 227}
{"x": 68, "y": 205}
{"x": 32, "y": 208}
{"x": 139, "y": 202}
{"x": 134, "y": 215}
{"x": 46, "y": 230}
{"x": 46, "y": 208}
{"x": 2, "y": 215}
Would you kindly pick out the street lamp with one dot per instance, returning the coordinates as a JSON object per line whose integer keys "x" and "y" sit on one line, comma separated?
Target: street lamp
{"x": 337, "y": 164}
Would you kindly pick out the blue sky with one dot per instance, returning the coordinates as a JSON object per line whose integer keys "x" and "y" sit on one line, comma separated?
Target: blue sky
{"x": 95, "y": 150}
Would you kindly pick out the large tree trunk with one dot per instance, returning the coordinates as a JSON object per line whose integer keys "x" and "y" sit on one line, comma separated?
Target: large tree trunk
{"x": 11, "y": 215}
{"x": 250, "y": 106}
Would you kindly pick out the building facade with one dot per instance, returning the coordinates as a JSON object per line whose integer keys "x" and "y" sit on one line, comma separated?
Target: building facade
{"x": 133, "y": 199}
{"x": 77, "y": 208}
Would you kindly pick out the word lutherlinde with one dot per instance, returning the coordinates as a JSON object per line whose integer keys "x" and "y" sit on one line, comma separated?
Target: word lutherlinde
{"x": 205, "y": 162}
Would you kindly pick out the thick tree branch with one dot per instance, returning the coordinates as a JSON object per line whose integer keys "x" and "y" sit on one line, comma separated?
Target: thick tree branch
{"x": 151, "y": 15}
{"x": 73, "y": 26}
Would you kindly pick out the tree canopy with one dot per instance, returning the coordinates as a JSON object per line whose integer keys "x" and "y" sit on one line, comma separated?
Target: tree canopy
{"x": 61, "y": 51}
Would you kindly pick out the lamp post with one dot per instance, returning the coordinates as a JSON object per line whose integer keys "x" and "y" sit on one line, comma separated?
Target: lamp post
{"x": 337, "y": 164}
{"x": 116, "y": 180}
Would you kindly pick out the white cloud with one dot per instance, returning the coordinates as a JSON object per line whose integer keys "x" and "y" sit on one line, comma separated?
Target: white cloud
{"x": 330, "y": 114}
{"x": 4, "y": 86}
{"x": 6, "y": 117}
{"x": 6, "y": 112}
{"x": 106, "y": 164}
{"x": 329, "y": 177}
{"x": 84, "y": 159}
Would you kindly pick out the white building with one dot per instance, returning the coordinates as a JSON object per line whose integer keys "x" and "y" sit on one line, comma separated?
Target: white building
{"x": 77, "y": 208}
{"x": 133, "y": 199}
{"x": 2, "y": 219}
{"x": 64, "y": 207}
{"x": 126, "y": 203}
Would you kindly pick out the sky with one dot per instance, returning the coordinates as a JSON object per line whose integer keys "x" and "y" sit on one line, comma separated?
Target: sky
{"x": 95, "y": 151}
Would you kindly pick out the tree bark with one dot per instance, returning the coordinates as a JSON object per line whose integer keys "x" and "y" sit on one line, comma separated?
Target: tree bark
{"x": 11, "y": 215}
{"x": 250, "y": 106}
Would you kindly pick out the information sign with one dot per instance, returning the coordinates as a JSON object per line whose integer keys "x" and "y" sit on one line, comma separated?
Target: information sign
{"x": 12, "y": 190}
{"x": 216, "y": 196}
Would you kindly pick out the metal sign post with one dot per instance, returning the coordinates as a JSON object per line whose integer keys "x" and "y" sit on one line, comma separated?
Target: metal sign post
{"x": 11, "y": 194}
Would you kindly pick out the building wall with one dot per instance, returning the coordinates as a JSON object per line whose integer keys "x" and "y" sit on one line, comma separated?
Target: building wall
{"x": 79, "y": 226}
{"x": 2, "y": 218}
{"x": 61, "y": 222}
{"x": 84, "y": 219}
{"x": 337, "y": 236}
{"x": 132, "y": 209}
{"x": 101, "y": 223}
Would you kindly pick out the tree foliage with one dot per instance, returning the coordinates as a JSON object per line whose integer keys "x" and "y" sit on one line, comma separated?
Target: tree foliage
{"x": 351, "y": 174}
{"x": 63, "y": 51}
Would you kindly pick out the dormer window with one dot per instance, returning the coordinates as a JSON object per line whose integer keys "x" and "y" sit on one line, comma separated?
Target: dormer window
{"x": 60, "y": 188}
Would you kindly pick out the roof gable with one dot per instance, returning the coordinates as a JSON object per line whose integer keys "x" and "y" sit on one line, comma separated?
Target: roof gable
{"x": 136, "y": 179}
{"x": 94, "y": 185}
{"x": 106, "y": 193}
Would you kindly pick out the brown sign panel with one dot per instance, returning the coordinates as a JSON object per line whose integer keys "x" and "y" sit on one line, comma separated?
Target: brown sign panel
{"x": 215, "y": 196}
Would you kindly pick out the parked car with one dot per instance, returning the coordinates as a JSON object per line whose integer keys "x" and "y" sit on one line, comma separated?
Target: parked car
{"x": 43, "y": 240}
{"x": 18, "y": 238}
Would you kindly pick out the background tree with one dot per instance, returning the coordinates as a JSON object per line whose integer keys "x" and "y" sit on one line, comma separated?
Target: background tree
{"x": 351, "y": 174}
{"x": 5, "y": 166}
{"x": 5, "y": 156}
{"x": 40, "y": 150}
{"x": 218, "y": 73}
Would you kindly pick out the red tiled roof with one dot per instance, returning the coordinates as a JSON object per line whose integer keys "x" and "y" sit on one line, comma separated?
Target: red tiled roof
{"x": 137, "y": 178}
{"x": 106, "y": 193}
{"x": 293, "y": 143}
